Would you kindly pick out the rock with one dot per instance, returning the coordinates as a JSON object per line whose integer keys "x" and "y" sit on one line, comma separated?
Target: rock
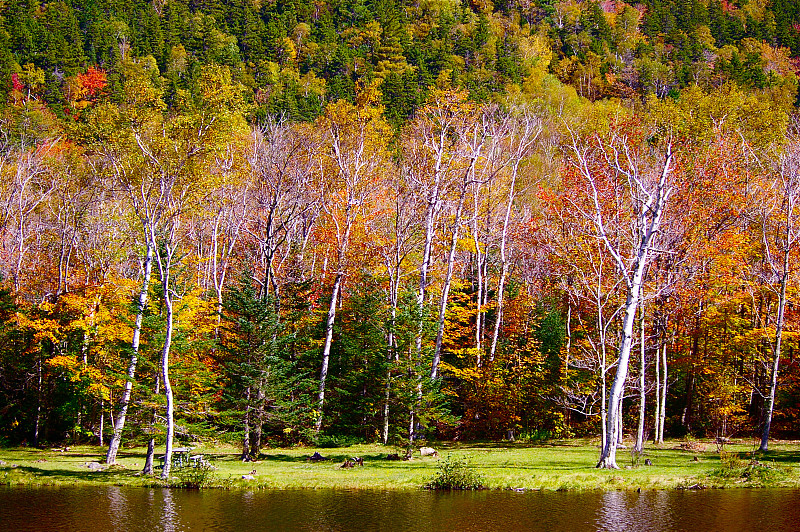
{"x": 93, "y": 466}
{"x": 428, "y": 451}
{"x": 697, "y": 486}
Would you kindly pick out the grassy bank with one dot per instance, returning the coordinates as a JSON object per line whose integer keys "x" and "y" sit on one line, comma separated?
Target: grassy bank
{"x": 559, "y": 465}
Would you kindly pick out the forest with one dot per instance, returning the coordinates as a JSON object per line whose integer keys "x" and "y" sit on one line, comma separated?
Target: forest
{"x": 276, "y": 223}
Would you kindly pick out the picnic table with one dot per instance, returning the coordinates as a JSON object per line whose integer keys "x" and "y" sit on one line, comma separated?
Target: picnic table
{"x": 180, "y": 456}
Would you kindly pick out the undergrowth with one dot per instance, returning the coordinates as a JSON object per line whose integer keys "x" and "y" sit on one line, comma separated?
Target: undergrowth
{"x": 455, "y": 474}
{"x": 738, "y": 469}
{"x": 194, "y": 476}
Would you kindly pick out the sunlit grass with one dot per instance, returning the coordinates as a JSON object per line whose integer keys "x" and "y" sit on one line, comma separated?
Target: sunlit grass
{"x": 558, "y": 465}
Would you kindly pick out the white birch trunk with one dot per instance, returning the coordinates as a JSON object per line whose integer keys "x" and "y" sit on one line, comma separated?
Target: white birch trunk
{"x": 776, "y": 355}
{"x": 663, "y": 409}
{"x": 124, "y": 402}
{"x": 170, "y": 408}
{"x": 657, "y": 413}
{"x": 326, "y": 350}
{"x": 642, "y": 391}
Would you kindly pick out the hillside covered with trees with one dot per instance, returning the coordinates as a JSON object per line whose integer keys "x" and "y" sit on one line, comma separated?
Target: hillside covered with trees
{"x": 285, "y": 222}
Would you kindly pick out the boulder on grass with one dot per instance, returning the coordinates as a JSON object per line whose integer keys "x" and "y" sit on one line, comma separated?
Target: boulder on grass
{"x": 428, "y": 451}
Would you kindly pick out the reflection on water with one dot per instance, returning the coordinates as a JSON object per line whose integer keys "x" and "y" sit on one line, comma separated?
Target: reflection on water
{"x": 128, "y": 509}
{"x": 170, "y": 519}
{"x": 619, "y": 509}
{"x": 117, "y": 506}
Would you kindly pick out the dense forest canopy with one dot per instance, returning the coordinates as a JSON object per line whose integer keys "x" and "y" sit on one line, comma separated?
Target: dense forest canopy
{"x": 295, "y": 57}
{"x": 283, "y": 222}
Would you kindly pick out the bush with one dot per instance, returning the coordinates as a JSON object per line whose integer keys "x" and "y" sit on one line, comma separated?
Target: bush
{"x": 455, "y": 474}
{"x": 734, "y": 467}
{"x": 535, "y": 436}
{"x": 194, "y": 476}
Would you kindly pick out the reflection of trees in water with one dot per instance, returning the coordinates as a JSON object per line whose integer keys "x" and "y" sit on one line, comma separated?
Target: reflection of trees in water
{"x": 622, "y": 510}
{"x": 169, "y": 516}
{"x": 117, "y": 507}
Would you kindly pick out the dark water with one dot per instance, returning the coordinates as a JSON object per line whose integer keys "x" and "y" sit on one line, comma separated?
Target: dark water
{"x": 129, "y": 509}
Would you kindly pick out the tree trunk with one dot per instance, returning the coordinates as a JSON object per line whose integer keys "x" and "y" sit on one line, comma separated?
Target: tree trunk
{"x": 620, "y": 433}
{"x": 776, "y": 355}
{"x": 387, "y": 395}
{"x": 148, "y": 461}
{"x": 246, "y": 426}
{"x": 119, "y": 424}
{"x": 326, "y": 351}
{"x": 100, "y": 430}
{"x": 437, "y": 353}
{"x": 608, "y": 459}
{"x": 663, "y": 409}
{"x": 151, "y": 443}
{"x": 657, "y": 380}
{"x": 603, "y": 379}
{"x": 165, "y": 378}
{"x": 255, "y": 443}
{"x": 448, "y": 280}
{"x": 642, "y": 396}
{"x": 503, "y": 267}
{"x": 479, "y": 274}
{"x": 38, "y": 422}
{"x": 391, "y": 351}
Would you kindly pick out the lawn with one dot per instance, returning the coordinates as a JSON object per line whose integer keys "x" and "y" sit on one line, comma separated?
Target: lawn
{"x": 557, "y": 465}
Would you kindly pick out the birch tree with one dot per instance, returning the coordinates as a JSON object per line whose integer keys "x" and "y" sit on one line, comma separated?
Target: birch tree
{"x": 127, "y": 168}
{"x": 355, "y": 142}
{"x": 28, "y": 183}
{"x": 779, "y": 221}
{"x": 627, "y": 190}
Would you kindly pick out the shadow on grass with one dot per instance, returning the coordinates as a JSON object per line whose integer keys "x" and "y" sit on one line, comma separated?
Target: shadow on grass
{"x": 781, "y": 457}
{"x": 373, "y": 458}
{"x": 46, "y": 476}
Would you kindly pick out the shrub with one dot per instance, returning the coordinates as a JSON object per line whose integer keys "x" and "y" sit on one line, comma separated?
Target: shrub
{"x": 455, "y": 474}
{"x": 734, "y": 467}
{"x": 194, "y": 476}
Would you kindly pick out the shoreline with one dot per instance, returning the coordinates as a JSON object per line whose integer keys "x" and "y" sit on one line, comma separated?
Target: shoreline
{"x": 565, "y": 465}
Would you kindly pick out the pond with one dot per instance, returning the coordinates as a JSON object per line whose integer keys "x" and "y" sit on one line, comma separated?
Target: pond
{"x": 131, "y": 509}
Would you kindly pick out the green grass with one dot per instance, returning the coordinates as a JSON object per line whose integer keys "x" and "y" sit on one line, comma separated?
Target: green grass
{"x": 558, "y": 465}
